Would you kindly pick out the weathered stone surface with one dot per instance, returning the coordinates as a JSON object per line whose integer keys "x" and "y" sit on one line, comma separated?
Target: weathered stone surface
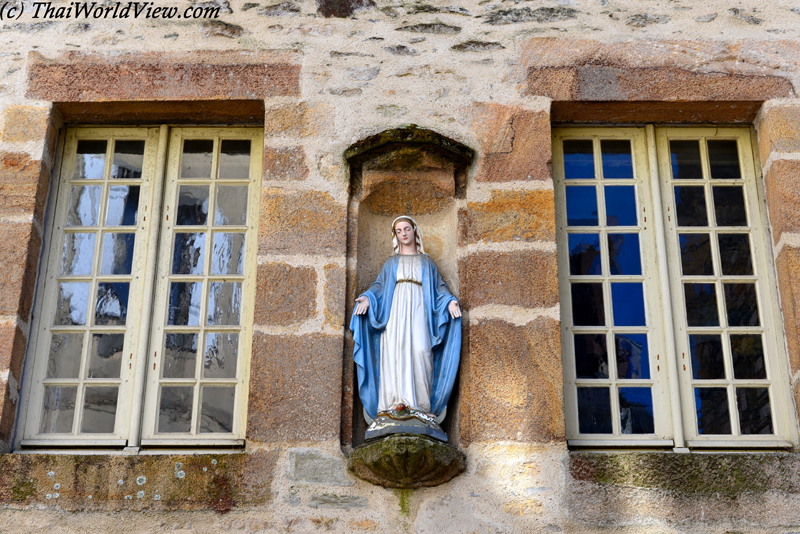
{"x": 219, "y": 482}
{"x": 301, "y": 222}
{"x": 477, "y": 46}
{"x": 431, "y": 27}
{"x": 12, "y": 353}
{"x": 336, "y": 501}
{"x": 445, "y": 514}
{"x": 217, "y": 28}
{"x": 213, "y": 111}
{"x": 20, "y": 245}
{"x": 781, "y": 184}
{"x": 311, "y": 466}
{"x": 788, "y": 266}
{"x": 342, "y": 8}
{"x": 285, "y": 163}
{"x": 515, "y": 143}
{"x": 404, "y": 461}
{"x": 281, "y": 9}
{"x": 21, "y": 124}
{"x": 742, "y": 15}
{"x": 297, "y": 120}
{"x": 295, "y": 387}
{"x": 654, "y": 112}
{"x": 513, "y": 216}
{"x": 334, "y": 295}
{"x": 611, "y": 83}
{"x": 23, "y": 185}
{"x": 407, "y": 193}
{"x": 778, "y": 131}
{"x": 641, "y": 20}
{"x": 515, "y": 381}
{"x": 286, "y": 295}
{"x": 526, "y": 14}
{"x": 525, "y": 278}
{"x": 78, "y": 76}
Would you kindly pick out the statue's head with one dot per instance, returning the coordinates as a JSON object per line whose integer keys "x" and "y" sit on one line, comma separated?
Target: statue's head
{"x": 406, "y": 231}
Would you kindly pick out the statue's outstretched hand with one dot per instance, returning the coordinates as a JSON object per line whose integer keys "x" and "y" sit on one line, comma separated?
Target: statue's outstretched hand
{"x": 454, "y": 309}
{"x": 362, "y": 305}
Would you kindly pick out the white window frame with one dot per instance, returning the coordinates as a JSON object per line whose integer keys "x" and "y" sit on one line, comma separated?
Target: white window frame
{"x": 673, "y": 400}
{"x": 147, "y": 291}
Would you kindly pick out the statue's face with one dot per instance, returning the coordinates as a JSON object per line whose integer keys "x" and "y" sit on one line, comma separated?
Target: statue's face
{"x": 404, "y": 232}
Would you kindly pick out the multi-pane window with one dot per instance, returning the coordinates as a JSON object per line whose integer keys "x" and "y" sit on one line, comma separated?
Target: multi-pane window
{"x": 143, "y": 329}
{"x": 668, "y": 305}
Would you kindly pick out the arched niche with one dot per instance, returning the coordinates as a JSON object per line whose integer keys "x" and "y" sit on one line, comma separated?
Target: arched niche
{"x": 405, "y": 171}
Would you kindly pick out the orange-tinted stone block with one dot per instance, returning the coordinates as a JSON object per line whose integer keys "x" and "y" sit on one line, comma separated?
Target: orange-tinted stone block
{"x": 526, "y": 278}
{"x": 20, "y": 245}
{"x": 287, "y": 163}
{"x": 21, "y": 124}
{"x": 285, "y": 295}
{"x": 513, "y": 216}
{"x": 781, "y": 185}
{"x": 779, "y": 130}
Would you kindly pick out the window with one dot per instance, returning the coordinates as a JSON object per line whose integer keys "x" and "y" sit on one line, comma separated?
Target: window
{"x": 143, "y": 329}
{"x": 669, "y": 311}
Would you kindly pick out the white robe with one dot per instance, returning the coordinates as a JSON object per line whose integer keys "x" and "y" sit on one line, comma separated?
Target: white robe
{"x": 406, "y": 357}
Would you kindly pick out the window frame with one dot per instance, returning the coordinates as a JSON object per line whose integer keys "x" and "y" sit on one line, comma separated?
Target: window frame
{"x": 676, "y": 404}
{"x": 130, "y": 417}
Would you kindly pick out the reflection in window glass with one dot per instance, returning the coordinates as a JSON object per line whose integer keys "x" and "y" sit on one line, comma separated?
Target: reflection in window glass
{"x": 123, "y": 205}
{"x": 685, "y": 159}
{"x": 78, "y": 255}
{"x": 587, "y": 305}
{"x": 713, "y": 413}
{"x": 581, "y": 205}
{"x": 117, "y": 253}
{"x": 65, "y": 356}
{"x": 636, "y": 411}
{"x": 734, "y": 253}
{"x": 216, "y": 410}
{"x": 742, "y": 304}
{"x": 112, "y": 303}
{"x": 234, "y": 159}
{"x": 690, "y": 206}
{"x": 58, "y": 410}
{"x": 755, "y": 416}
{"x": 175, "y": 409}
{"x": 621, "y": 205}
{"x": 105, "y": 356}
{"x": 192, "y": 205}
{"x": 90, "y": 160}
{"x": 696, "y": 255}
{"x": 197, "y": 158}
{"x": 578, "y": 159}
{"x": 632, "y": 359}
{"x": 617, "y": 159}
{"x": 180, "y": 355}
{"x": 128, "y": 159}
{"x": 747, "y": 353}
{"x": 84, "y": 205}
{"x": 594, "y": 410}
{"x": 184, "y": 303}
{"x": 99, "y": 409}
{"x": 723, "y": 159}
{"x": 729, "y": 206}
{"x": 591, "y": 356}
{"x": 701, "y": 304}
{"x": 584, "y": 254}
{"x": 220, "y": 356}
{"x": 708, "y": 362}
{"x": 623, "y": 254}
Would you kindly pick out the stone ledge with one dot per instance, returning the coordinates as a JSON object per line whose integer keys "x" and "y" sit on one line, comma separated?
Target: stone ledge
{"x": 404, "y": 461}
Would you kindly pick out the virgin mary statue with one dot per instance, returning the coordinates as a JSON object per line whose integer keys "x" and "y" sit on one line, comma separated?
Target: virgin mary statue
{"x": 407, "y": 332}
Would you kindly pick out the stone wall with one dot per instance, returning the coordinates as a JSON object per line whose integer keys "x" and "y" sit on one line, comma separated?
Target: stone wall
{"x": 320, "y": 77}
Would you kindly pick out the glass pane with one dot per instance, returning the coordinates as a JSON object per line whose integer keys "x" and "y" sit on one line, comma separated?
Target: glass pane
{"x": 189, "y": 255}
{"x": 65, "y": 356}
{"x": 594, "y": 411}
{"x": 184, "y": 303}
{"x": 701, "y": 305}
{"x": 723, "y": 158}
{"x": 621, "y": 205}
{"x": 99, "y": 409}
{"x": 729, "y": 206}
{"x": 617, "y": 159}
{"x": 623, "y": 254}
{"x": 708, "y": 362}
{"x": 584, "y": 254}
{"x": 713, "y": 414}
{"x": 696, "y": 255}
{"x": 224, "y": 303}
{"x": 128, "y": 159}
{"x": 636, "y": 411}
{"x": 117, "y": 253}
{"x": 234, "y": 159}
{"x": 627, "y": 300}
{"x": 578, "y": 159}
{"x": 197, "y": 158}
{"x": 90, "y": 161}
{"x": 587, "y": 305}
{"x": 112, "y": 303}
{"x": 228, "y": 253}
{"x": 72, "y": 303}
{"x": 632, "y": 360}
{"x": 216, "y": 412}
{"x": 192, "y": 205}
{"x": 748, "y": 357}
{"x": 755, "y": 416}
{"x": 123, "y": 205}
{"x": 690, "y": 206}
{"x": 734, "y": 251}
{"x": 591, "y": 356}
{"x": 742, "y": 304}
{"x": 58, "y": 409}
{"x": 105, "y": 356}
{"x": 180, "y": 356}
{"x": 84, "y": 205}
{"x": 78, "y": 257}
{"x": 581, "y": 205}
{"x": 231, "y": 205}
{"x": 685, "y": 158}
{"x": 220, "y": 358}
{"x": 175, "y": 409}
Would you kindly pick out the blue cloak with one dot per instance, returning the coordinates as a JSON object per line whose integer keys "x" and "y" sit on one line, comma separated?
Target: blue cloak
{"x": 444, "y": 332}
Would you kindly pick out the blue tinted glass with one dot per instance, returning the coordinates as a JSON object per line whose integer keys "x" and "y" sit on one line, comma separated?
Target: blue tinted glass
{"x": 632, "y": 359}
{"x": 713, "y": 415}
{"x": 591, "y": 356}
{"x": 623, "y": 254}
{"x": 620, "y": 205}
{"x": 708, "y": 362}
{"x": 636, "y": 411}
{"x": 594, "y": 411}
{"x": 584, "y": 254}
{"x": 617, "y": 161}
{"x": 627, "y": 300}
{"x": 581, "y": 205}
{"x": 578, "y": 159}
